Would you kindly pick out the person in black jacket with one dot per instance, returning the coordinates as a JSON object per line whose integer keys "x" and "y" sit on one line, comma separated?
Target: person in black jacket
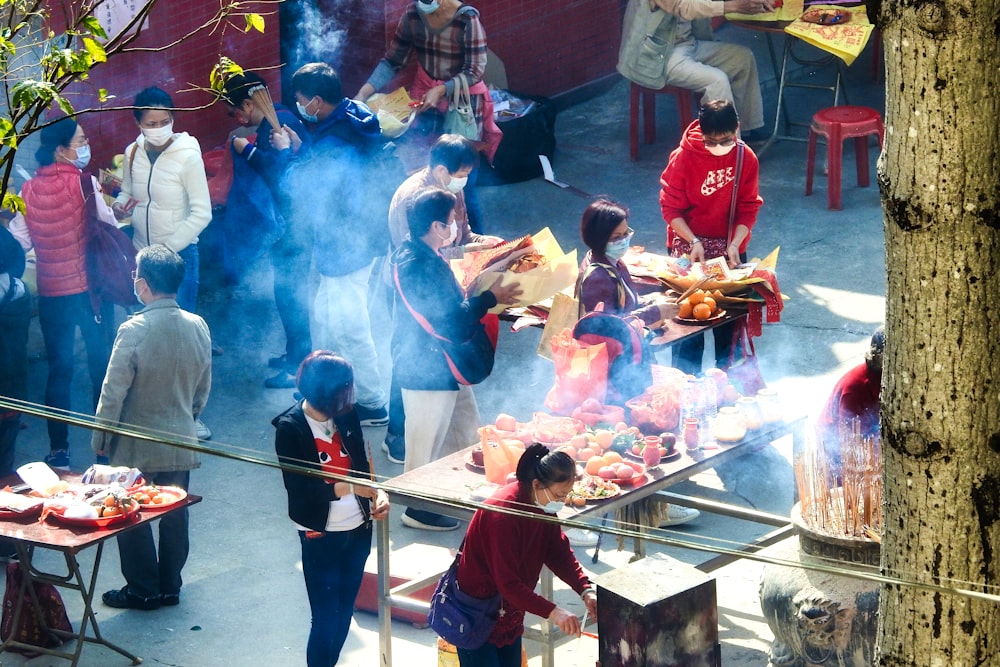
{"x": 15, "y": 314}
{"x": 320, "y": 447}
{"x": 441, "y": 414}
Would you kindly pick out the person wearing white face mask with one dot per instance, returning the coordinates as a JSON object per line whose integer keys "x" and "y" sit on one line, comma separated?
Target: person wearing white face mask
{"x": 709, "y": 198}
{"x": 441, "y": 414}
{"x": 165, "y": 189}
{"x": 54, "y": 224}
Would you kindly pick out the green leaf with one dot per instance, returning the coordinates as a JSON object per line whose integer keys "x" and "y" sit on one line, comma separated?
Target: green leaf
{"x": 65, "y": 105}
{"x": 13, "y": 203}
{"x": 104, "y": 96}
{"x": 8, "y": 133}
{"x": 94, "y": 26}
{"x": 95, "y": 51}
{"x": 254, "y": 22}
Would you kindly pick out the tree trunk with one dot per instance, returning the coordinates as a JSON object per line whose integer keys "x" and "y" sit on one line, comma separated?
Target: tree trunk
{"x": 940, "y": 181}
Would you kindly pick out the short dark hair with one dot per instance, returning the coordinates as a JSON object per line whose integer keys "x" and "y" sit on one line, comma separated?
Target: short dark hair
{"x": 59, "y": 133}
{"x": 318, "y": 79}
{"x": 238, "y": 88}
{"x": 599, "y": 221}
{"x": 161, "y": 268}
{"x": 873, "y": 357}
{"x": 547, "y": 467}
{"x": 326, "y": 380}
{"x": 429, "y": 205}
{"x": 152, "y": 98}
{"x": 717, "y": 117}
{"x": 453, "y": 152}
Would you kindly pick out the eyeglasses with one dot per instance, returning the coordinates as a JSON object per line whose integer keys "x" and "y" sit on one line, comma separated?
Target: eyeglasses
{"x": 556, "y": 496}
{"x": 629, "y": 233}
{"x": 79, "y": 142}
{"x": 712, "y": 143}
{"x": 136, "y": 276}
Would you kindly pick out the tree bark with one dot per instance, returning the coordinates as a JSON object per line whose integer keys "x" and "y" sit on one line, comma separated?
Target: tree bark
{"x": 939, "y": 176}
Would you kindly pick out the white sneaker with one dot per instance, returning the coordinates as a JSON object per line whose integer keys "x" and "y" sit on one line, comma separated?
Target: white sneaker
{"x": 578, "y": 537}
{"x": 202, "y": 431}
{"x": 676, "y": 515}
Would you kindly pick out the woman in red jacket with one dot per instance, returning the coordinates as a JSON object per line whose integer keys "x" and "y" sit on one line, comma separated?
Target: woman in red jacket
{"x": 504, "y": 553}
{"x": 54, "y": 223}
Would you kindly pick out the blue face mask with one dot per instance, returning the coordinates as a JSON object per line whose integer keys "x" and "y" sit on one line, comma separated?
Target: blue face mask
{"x": 82, "y": 157}
{"x": 428, "y": 7}
{"x": 306, "y": 116}
{"x": 617, "y": 249}
{"x": 551, "y": 507}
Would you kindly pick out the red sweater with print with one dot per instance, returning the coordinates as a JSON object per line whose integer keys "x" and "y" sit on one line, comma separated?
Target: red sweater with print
{"x": 698, "y": 187}
{"x": 505, "y": 553}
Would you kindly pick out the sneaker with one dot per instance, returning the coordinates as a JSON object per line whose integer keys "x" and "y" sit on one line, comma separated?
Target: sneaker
{"x": 123, "y": 599}
{"x": 578, "y": 537}
{"x": 372, "y": 416}
{"x": 676, "y": 515}
{"x": 170, "y": 599}
{"x": 282, "y": 380}
{"x": 202, "y": 431}
{"x": 277, "y": 362}
{"x": 395, "y": 448}
{"x": 428, "y": 520}
{"x": 58, "y": 459}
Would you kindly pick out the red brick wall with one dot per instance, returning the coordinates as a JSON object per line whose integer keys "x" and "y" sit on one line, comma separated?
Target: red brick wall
{"x": 177, "y": 71}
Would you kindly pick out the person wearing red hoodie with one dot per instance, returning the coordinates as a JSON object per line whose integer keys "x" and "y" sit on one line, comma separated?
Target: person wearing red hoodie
{"x": 696, "y": 197}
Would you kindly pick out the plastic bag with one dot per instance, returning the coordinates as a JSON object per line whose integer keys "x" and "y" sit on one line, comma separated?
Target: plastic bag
{"x": 581, "y": 373}
{"x": 500, "y": 455}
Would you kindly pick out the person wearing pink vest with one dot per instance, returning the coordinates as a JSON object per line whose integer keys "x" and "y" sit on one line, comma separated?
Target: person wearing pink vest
{"x": 53, "y": 223}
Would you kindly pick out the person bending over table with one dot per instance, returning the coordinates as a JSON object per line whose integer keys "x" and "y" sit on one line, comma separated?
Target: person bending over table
{"x": 694, "y": 60}
{"x": 603, "y": 277}
{"x": 322, "y": 432}
{"x": 441, "y": 414}
{"x": 697, "y": 201}
{"x": 158, "y": 378}
{"x": 504, "y": 553}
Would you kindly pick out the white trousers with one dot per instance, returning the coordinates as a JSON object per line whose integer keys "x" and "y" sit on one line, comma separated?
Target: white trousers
{"x": 343, "y": 326}
{"x": 719, "y": 71}
{"x": 438, "y": 423}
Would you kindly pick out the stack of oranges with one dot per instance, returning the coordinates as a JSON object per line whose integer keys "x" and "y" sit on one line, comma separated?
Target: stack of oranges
{"x": 700, "y": 305}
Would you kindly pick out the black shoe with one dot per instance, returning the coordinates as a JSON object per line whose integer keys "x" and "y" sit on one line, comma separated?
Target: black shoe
{"x": 170, "y": 599}
{"x": 422, "y": 520}
{"x": 283, "y": 380}
{"x": 395, "y": 448}
{"x": 372, "y": 416}
{"x": 277, "y": 362}
{"x": 122, "y": 599}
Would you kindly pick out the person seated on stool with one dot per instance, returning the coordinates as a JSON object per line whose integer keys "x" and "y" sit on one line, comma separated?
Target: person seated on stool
{"x": 855, "y": 398}
{"x": 695, "y": 61}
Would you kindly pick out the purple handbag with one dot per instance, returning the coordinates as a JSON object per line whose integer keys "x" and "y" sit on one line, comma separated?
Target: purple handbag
{"x": 458, "y": 618}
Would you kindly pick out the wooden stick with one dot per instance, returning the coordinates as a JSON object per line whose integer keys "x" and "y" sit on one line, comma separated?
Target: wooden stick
{"x": 262, "y": 98}
{"x": 691, "y": 290}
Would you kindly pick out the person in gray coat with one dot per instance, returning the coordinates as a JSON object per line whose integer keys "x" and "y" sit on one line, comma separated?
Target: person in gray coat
{"x": 158, "y": 379}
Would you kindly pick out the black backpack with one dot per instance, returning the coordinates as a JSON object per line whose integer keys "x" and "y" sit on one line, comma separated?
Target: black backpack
{"x": 110, "y": 256}
{"x": 630, "y": 365}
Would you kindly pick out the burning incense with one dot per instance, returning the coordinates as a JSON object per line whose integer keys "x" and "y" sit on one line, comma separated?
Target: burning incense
{"x": 262, "y": 99}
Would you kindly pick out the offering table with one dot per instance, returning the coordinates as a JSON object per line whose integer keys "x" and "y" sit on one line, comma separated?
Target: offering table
{"x": 443, "y": 486}
{"x": 28, "y": 534}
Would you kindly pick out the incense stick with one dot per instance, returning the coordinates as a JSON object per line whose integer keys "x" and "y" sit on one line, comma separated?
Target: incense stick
{"x": 262, "y": 99}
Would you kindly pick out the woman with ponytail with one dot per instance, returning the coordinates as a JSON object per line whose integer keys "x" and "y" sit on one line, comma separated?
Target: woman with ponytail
{"x": 504, "y": 553}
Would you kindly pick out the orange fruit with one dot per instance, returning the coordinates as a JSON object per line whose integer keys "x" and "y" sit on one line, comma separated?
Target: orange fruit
{"x": 584, "y": 455}
{"x": 710, "y": 302}
{"x": 702, "y": 311}
{"x": 697, "y": 297}
{"x": 685, "y": 309}
{"x": 612, "y": 457}
{"x": 595, "y": 463}
{"x": 604, "y": 438}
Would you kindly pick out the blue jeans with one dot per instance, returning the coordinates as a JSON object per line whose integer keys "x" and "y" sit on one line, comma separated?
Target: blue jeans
{"x": 59, "y": 317}
{"x": 187, "y": 294}
{"x": 489, "y": 655}
{"x": 333, "y": 565}
{"x": 147, "y": 572}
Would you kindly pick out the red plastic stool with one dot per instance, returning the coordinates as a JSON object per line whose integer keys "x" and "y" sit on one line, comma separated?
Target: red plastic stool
{"x": 685, "y": 103}
{"x": 837, "y": 124}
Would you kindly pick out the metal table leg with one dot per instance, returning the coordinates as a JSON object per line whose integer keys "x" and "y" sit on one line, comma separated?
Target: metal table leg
{"x": 384, "y": 584}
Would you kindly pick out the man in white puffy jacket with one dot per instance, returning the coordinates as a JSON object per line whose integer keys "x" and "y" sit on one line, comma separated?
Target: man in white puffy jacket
{"x": 165, "y": 189}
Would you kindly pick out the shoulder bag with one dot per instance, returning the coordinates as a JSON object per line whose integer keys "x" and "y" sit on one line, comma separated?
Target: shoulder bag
{"x": 110, "y": 255}
{"x": 460, "y": 118}
{"x": 30, "y": 629}
{"x": 470, "y": 361}
{"x": 463, "y": 620}
{"x": 716, "y": 247}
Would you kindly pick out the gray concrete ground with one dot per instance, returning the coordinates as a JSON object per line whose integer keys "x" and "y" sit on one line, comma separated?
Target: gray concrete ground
{"x": 244, "y": 603}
